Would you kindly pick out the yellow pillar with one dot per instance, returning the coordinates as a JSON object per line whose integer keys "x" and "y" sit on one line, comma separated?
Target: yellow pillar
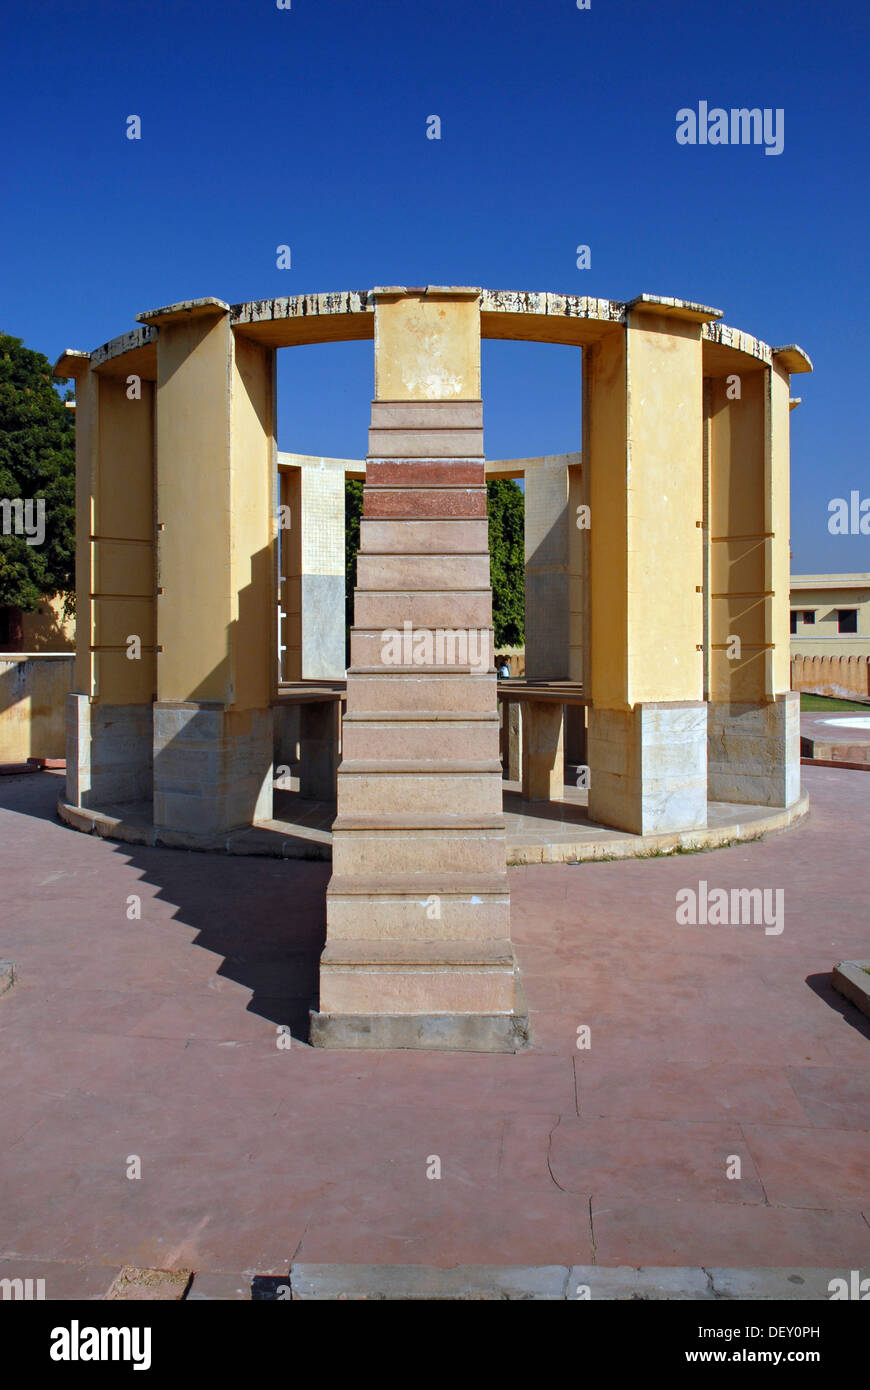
{"x": 109, "y": 713}
{"x": 543, "y": 757}
{"x": 644, "y": 453}
{"x": 217, "y": 523}
{"x": 754, "y": 718}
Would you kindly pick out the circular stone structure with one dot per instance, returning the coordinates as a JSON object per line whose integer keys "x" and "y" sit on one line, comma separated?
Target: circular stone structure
{"x": 657, "y": 576}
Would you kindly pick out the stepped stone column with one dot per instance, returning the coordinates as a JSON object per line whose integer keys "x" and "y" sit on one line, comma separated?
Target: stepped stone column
{"x": 418, "y": 950}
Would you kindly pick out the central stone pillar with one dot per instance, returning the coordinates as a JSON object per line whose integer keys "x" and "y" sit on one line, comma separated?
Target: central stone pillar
{"x": 418, "y": 951}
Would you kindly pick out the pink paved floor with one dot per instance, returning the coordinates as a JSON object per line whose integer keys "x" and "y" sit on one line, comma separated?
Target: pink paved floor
{"x": 158, "y": 1038}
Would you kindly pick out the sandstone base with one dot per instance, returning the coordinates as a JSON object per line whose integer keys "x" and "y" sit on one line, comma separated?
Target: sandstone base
{"x": 212, "y": 767}
{"x": 108, "y": 752}
{"x": 429, "y": 1032}
{"x": 753, "y": 751}
{"x": 649, "y": 767}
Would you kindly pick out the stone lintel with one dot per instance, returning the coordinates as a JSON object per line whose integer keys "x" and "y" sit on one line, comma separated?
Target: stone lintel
{"x": 793, "y": 358}
{"x": 125, "y": 345}
{"x": 673, "y": 308}
{"x": 73, "y": 362}
{"x": 383, "y": 292}
{"x": 185, "y": 308}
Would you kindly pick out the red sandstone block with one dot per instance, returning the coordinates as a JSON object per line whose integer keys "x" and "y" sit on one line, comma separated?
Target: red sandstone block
{"x": 425, "y": 472}
{"x": 425, "y": 502}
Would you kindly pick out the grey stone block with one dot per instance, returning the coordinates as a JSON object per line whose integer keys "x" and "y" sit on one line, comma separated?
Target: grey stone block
{"x": 486, "y": 1283}
{"x": 775, "y": 1284}
{"x": 625, "y": 1283}
{"x": 430, "y": 1032}
{"x": 753, "y": 752}
{"x": 850, "y": 979}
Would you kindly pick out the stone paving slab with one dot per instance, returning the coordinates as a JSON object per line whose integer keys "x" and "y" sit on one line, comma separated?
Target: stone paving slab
{"x": 149, "y": 1285}
{"x": 56, "y": 1281}
{"x": 560, "y": 1283}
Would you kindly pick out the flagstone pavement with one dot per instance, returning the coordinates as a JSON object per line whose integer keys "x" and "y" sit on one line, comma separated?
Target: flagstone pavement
{"x": 158, "y": 1038}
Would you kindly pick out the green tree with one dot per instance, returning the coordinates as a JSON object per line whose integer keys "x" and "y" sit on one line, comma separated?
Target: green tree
{"x": 37, "y": 460}
{"x": 505, "y": 506}
{"x": 505, "y": 510}
{"x": 353, "y": 503}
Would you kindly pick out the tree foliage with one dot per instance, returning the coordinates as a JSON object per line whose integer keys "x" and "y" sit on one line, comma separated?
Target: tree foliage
{"x": 353, "y": 503}
{"x": 505, "y": 506}
{"x": 37, "y": 459}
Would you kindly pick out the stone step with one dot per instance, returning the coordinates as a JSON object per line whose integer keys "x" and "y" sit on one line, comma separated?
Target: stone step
{"x": 429, "y": 537}
{"x": 421, "y": 415}
{"x": 437, "y": 444}
{"x": 417, "y": 977}
{"x": 433, "y": 850}
{"x": 450, "y": 917}
{"x": 425, "y": 673}
{"x": 436, "y": 767}
{"x": 426, "y": 472}
{"x": 450, "y": 608}
{"x": 366, "y": 951}
{"x": 409, "y": 884}
{"x": 381, "y": 788}
{"x": 412, "y": 503}
{"x": 420, "y": 716}
{"x": 421, "y": 740}
{"x": 422, "y": 648}
{"x": 435, "y": 573}
{"x": 408, "y": 689}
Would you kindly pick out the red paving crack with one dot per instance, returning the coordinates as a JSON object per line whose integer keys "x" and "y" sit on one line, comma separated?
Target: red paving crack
{"x": 157, "y": 1038}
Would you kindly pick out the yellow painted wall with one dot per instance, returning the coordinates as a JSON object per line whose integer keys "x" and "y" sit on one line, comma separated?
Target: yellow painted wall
{"x": 46, "y": 629}
{"x": 665, "y": 478}
{"x": 122, "y": 564}
{"x": 216, "y": 509}
{"x": 779, "y": 661}
{"x": 644, "y": 447}
{"x": 194, "y": 605}
{"x": 738, "y": 552}
{"x": 33, "y": 691}
{"x": 578, "y": 582}
{"x": 605, "y": 426}
{"x": 427, "y": 349}
{"x": 253, "y": 525}
{"x": 87, "y": 407}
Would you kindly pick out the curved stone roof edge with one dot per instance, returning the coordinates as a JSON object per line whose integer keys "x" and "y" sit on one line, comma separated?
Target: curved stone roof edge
{"x": 544, "y": 303}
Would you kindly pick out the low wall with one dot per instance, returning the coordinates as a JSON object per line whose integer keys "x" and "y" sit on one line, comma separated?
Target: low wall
{"x": 840, "y": 676}
{"x": 33, "y": 691}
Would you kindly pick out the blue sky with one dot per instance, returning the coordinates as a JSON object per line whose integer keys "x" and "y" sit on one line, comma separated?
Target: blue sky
{"x": 307, "y": 127}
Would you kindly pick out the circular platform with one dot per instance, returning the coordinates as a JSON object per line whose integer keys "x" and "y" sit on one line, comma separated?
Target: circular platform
{"x": 537, "y": 832}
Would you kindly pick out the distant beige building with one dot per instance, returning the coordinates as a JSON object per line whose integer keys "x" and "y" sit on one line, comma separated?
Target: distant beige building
{"x": 830, "y": 634}
{"x": 830, "y": 615}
